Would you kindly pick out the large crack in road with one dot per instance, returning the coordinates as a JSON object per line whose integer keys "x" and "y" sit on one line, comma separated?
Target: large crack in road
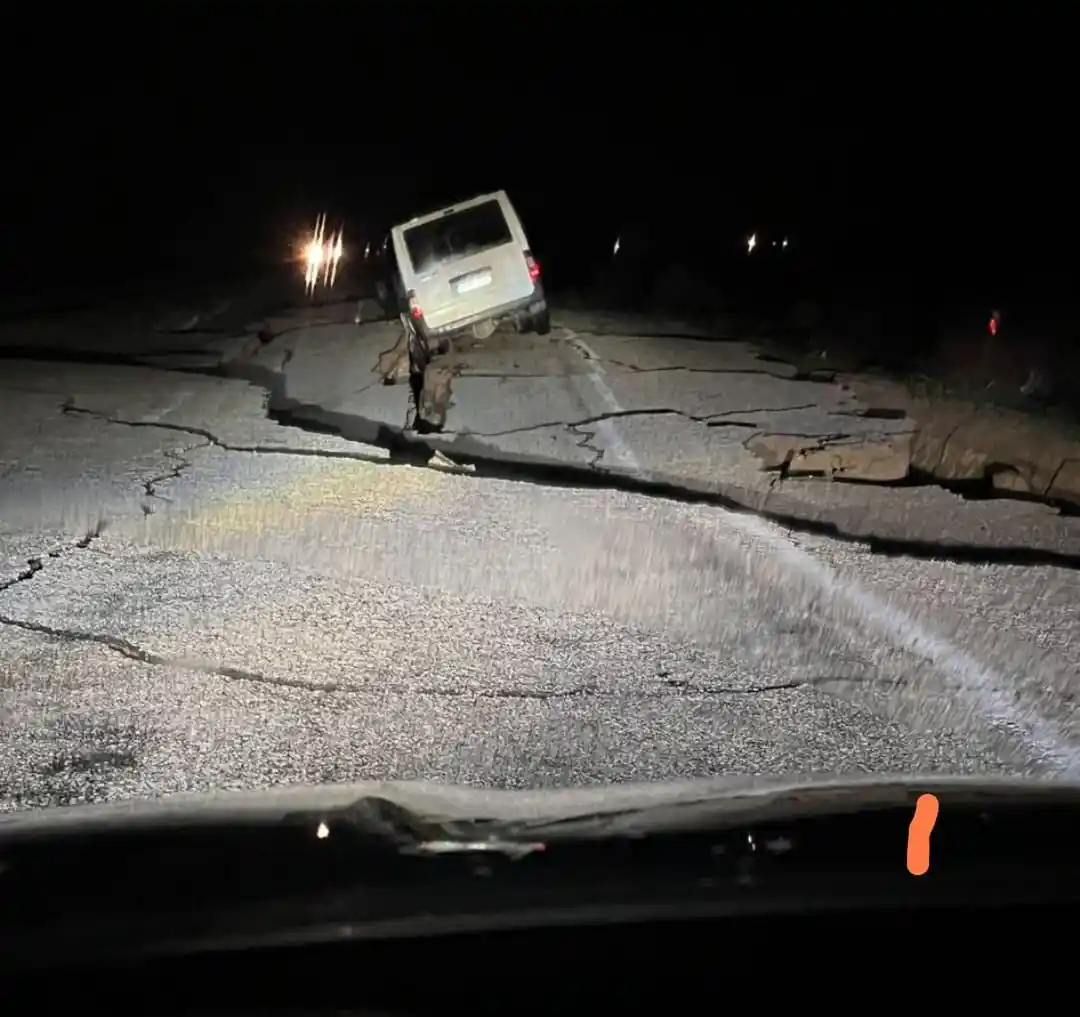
{"x": 479, "y": 459}
{"x": 140, "y": 654}
{"x": 37, "y": 563}
{"x": 487, "y": 462}
{"x": 484, "y": 462}
{"x": 132, "y": 651}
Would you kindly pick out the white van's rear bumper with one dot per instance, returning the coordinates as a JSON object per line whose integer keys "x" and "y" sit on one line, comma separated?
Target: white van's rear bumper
{"x": 517, "y": 311}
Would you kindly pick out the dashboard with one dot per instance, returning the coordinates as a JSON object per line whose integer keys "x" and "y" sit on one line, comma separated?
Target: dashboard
{"x": 625, "y": 966}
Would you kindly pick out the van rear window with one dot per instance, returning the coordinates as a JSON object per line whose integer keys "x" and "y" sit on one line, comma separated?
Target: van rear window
{"x": 457, "y": 235}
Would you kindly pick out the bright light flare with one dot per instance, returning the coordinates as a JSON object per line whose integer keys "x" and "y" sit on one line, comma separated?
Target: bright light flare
{"x": 322, "y": 255}
{"x": 751, "y": 244}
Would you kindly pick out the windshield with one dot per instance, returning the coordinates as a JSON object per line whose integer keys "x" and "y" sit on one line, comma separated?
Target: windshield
{"x": 457, "y": 235}
{"x": 756, "y": 454}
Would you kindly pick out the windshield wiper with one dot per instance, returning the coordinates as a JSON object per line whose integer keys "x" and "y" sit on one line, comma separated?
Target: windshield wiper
{"x": 385, "y": 822}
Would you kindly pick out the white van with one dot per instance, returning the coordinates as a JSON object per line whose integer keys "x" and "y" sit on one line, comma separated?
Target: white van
{"x": 469, "y": 266}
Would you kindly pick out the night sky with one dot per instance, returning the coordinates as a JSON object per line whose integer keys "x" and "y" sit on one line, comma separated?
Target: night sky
{"x": 197, "y": 139}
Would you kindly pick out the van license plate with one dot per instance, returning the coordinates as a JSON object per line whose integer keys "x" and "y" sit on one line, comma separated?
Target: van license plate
{"x": 473, "y": 282}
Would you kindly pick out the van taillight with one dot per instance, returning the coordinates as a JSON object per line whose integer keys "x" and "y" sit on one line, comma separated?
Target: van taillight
{"x": 533, "y": 265}
{"x": 414, "y": 305}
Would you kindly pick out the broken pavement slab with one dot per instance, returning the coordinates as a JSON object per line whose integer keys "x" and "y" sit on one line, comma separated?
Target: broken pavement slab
{"x": 691, "y": 414}
{"x": 333, "y": 366}
{"x": 964, "y": 443}
{"x": 363, "y": 371}
{"x": 435, "y": 396}
{"x": 881, "y": 460}
{"x": 518, "y": 401}
{"x": 898, "y": 438}
{"x": 1014, "y": 453}
{"x": 228, "y": 412}
{"x": 393, "y": 364}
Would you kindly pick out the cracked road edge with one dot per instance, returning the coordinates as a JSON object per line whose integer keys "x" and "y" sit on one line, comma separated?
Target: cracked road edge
{"x": 134, "y": 652}
{"x": 472, "y": 457}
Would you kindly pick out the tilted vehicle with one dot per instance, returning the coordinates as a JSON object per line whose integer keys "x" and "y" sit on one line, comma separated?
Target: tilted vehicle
{"x": 469, "y": 267}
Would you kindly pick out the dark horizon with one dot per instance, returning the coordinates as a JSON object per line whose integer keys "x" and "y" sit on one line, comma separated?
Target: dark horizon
{"x": 888, "y": 170}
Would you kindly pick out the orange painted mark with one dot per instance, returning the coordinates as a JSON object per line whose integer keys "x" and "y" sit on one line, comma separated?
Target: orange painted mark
{"x": 918, "y": 838}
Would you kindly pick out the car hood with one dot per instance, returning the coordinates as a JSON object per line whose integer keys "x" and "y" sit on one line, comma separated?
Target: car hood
{"x": 735, "y": 797}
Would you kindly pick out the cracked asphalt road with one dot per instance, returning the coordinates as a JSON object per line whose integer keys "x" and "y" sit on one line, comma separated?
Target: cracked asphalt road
{"x": 194, "y": 596}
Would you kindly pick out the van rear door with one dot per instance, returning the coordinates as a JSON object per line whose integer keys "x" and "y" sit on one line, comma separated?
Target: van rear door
{"x": 467, "y": 260}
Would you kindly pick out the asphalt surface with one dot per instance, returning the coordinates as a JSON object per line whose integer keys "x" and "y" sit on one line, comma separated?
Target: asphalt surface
{"x": 195, "y": 595}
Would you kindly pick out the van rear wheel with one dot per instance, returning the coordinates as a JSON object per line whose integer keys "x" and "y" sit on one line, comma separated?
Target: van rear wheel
{"x": 541, "y": 323}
